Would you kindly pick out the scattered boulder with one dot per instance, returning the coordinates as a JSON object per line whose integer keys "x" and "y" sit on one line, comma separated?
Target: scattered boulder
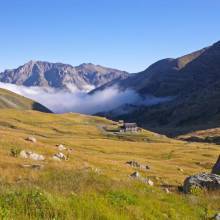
{"x": 35, "y": 156}
{"x": 137, "y": 176}
{"x": 24, "y": 154}
{"x": 216, "y": 217}
{"x": 203, "y": 181}
{"x": 149, "y": 182}
{"x": 146, "y": 167}
{"x": 180, "y": 169}
{"x": 167, "y": 190}
{"x": 31, "y": 139}
{"x": 135, "y": 164}
{"x": 61, "y": 147}
{"x": 31, "y": 155}
{"x": 59, "y": 156}
{"x": 216, "y": 167}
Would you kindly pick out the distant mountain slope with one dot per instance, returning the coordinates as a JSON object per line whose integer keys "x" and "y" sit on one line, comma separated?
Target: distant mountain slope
{"x": 194, "y": 81}
{"x": 209, "y": 135}
{"x": 61, "y": 76}
{"x": 11, "y": 100}
{"x": 161, "y": 78}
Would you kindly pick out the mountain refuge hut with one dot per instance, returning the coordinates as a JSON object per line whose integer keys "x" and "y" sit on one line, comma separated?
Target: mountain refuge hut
{"x": 129, "y": 127}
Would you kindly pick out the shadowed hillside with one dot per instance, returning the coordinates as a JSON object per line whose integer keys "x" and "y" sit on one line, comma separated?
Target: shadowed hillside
{"x": 194, "y": 83}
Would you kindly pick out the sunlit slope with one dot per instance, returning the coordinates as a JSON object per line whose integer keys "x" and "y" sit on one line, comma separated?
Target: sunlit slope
{"x": 209, "y": 136}
{"x": 11, "y": 100}
{"x": 94, "y": 182}
{"x": 93, "y": 146}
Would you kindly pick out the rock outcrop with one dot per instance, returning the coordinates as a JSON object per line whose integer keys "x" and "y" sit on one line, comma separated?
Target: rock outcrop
{"x": 203, "y": 181}
{"x": 216, "y": 167}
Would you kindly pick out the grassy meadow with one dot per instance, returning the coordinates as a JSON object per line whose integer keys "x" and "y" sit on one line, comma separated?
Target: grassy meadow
{"x": 95, "y": 183}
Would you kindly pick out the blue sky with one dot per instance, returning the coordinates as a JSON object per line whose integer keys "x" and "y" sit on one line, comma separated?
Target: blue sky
{"x": 125, "y": 34}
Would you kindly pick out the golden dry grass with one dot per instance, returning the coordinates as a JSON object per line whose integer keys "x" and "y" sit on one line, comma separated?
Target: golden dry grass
{"x": 93, "y": 149}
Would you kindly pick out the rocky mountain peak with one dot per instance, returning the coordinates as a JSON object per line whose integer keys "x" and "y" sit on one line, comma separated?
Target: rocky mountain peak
{"x": 61, "y": 76}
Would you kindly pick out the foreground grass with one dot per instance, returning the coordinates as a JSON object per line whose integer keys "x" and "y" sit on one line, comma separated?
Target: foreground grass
{"x": 94, "y": 183}
{"x": 88, "y": 195}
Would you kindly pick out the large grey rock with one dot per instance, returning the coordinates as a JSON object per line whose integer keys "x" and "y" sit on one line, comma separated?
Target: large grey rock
{"x": 203, "y": 180}
{"x": 216, "y": 217}
{"x": 31, "y": 155}
{"x": 216, "y": 167}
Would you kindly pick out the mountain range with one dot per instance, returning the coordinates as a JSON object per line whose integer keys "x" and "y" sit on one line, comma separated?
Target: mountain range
{"x": 190, "y": 86}
{"x": 84, "y": 77}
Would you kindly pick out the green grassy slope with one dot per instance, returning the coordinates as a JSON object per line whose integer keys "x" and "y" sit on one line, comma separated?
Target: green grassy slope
{"x": 11, "y": 100}
{"x": 94, "y": 182}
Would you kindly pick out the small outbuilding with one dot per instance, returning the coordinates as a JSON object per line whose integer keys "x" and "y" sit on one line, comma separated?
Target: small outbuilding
{"x": 129, "y": 127}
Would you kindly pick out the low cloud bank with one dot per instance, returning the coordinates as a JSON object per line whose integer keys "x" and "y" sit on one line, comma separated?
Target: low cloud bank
{"x": 81, "y": 102}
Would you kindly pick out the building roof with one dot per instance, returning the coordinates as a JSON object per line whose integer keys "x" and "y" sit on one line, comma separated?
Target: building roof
{"x": 129, "y": 125}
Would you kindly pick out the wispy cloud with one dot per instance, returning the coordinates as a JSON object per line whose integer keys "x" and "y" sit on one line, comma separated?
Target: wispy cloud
{"x": 61, "y": 101}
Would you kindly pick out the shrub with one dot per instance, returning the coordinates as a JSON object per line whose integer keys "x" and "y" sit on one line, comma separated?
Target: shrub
{"x": 119, "y": 198}
{"x": 31, "y": 203}
{"x": 4, "y": 213}
{"x": 15, "y": 152}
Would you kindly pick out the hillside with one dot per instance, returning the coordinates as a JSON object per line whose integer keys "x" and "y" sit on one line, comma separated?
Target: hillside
{"x": 11, "y": 100}
{"x": 61, "y": 76}
{"x": 156, "y": 76}
{"x": 211, "y": 135}
{"x": 94, "y": 182}
{"x": 193, "y": 82}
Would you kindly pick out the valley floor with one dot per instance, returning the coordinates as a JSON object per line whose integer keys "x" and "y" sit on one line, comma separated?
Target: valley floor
{"x": 95, "y": 182}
